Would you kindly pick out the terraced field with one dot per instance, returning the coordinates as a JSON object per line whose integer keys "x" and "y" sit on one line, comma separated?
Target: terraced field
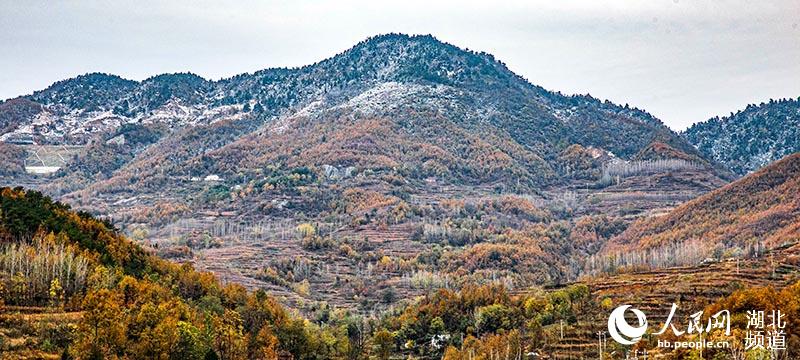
{"x": 43, "y": 159}
{"x": 334, "y": 275}
{"x": 20, "y": 327}
{"x": 654, "y": 292}
{"x": 246, "y": 247}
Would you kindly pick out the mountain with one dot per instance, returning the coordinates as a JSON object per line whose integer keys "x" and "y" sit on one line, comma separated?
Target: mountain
{"x": 750, "y": 138}
{"x": 400, "y": 165}
{"x": 758, "y": 212}
{"x": 426, "y": 108}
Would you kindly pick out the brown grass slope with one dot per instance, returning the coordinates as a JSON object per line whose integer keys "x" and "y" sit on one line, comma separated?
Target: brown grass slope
{"x": 436, "y": 146}
{"x": 763, "y": 207}
{"x": 659, "y": 151}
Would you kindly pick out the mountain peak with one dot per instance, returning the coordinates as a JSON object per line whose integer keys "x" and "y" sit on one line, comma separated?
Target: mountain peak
{"x": 93, "y": 80}
{"x": 411, "y": 43}
{"x": 399, "y": 37}
{"x": 91, "y": 92}
{"x": 413, "y": 58}
{"x": 186, "y": 77}
{"x": 158, "y": 90}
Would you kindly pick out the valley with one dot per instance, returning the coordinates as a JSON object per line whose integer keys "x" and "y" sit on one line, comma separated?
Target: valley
{"x": 369, "y": 259}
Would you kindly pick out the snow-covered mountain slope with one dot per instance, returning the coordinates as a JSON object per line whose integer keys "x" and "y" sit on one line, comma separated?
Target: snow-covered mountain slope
{"x": 425, "y": 91}
{"x": 750, "y": 138}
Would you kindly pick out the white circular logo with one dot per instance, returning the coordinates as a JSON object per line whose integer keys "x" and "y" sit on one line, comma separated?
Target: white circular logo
{"x": 621, "y": 331}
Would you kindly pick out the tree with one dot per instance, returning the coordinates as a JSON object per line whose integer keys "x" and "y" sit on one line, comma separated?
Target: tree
{"x": 189, "y": 345}
{"x": 229, "y": 338}
{"x": 102, "y": 329}
{"x": 383, "y": 343}
{"x": 292, "y": 337}
{"x": 265, "y": 345}
{"x": 56, "y": 293}
{"x": 357, "y": 335}
{"x": 490, "y": 319}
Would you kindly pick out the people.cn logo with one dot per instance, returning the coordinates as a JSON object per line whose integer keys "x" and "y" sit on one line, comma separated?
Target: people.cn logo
{"x": 621, "y": 331}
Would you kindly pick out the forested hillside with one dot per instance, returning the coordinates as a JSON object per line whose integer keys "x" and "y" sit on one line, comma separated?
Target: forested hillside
{"x": 72, "y": 285}
{"x": 12, "y": 160}
{"x": 751, "y": 138}
{"x": 745, "y": 218}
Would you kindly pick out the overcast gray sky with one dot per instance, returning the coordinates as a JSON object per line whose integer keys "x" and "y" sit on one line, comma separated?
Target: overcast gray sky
{"x": 682, "y": 60}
